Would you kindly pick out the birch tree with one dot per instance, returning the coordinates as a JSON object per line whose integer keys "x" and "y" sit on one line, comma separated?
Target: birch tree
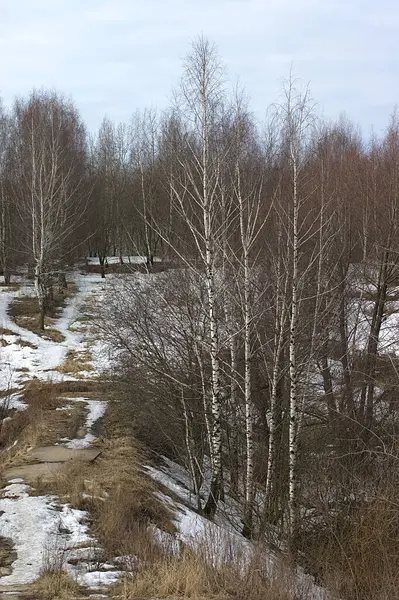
{"x": 251, "y": 215}
{"x": 297, "y": 119}
{"x": 195, "y": 191}
{"x": 49, "y": 147}
{"x": 147, "y": 196}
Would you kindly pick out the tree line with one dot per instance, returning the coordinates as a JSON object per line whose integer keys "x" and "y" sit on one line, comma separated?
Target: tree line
{"x": 264, "y": 355}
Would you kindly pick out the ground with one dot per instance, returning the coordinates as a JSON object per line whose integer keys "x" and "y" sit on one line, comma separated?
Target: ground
{"x": 54, "y": 469}
{"x": 40, "y": 527}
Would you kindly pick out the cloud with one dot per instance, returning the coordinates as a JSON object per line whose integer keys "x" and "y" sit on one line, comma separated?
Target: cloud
{"x": 114, "y": 56}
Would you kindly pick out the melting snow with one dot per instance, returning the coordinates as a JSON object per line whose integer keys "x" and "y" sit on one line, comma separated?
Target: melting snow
{"x": 42, "y": 356}
{"x": 222, "y": 538}
{"x": 37, "y": 527}
{"x": 97, "y": 409}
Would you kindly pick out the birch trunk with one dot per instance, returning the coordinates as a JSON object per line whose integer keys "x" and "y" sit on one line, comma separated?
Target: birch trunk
{"x": 294, "y": 415}
{"x": 207, "y": 206}
{"x": 249, "y": 417}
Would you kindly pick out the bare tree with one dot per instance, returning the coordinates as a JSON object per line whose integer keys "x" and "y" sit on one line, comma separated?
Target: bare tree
{"x": 49, "y": 151}
{"x": 5, "y": 199}
{"x": 196, "y": 195}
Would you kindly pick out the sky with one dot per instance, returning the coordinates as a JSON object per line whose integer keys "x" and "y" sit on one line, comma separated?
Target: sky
{"x": 115, "y": 56}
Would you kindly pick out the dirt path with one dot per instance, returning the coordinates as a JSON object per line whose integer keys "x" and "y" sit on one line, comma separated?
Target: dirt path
{"x": 50, "y": 460}
{"x": 41, "y": 357}
{"x": 34, "y": 524}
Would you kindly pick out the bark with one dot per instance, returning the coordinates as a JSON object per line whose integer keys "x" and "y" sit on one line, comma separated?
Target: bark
{"x": 366, "y": 405}
{"x": 279, "y": 334}
{"x": 190, "y": 453}
{"x": 216, "y": 480}
{"x": 294, "y": 415}
{"x": 348, "y": 404}
{"x": 62, "y": 283}
{"x": 102, "y": 261}
{"x": 249, "y": 417}
{"x": 233, "y": 425}
{"x": 41, "y": 294}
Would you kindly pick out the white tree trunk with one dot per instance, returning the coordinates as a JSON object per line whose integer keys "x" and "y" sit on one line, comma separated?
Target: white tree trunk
{"x": 293, "y": 375}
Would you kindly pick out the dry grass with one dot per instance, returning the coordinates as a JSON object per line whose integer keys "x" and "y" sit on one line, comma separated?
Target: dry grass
{"x": 366, "y": 558}
{"x": 357, "y": 556}
{"x": 75, "y": 362}
{"x": 118, "y": 494}
{"x": 25, "y": 312}
{"x": 41, "y": 424}
{"x": 10, "y": 287}
{"x": 8, "y": 392}
{"x": 5, "y": 331}
{"x": 32, "y": 324}
{"x": 189, "y": 575}
{"x": 55, "y": 584}
{"x": 26, "y": 344}
{"x": 21, "y": 342}
{"x": 42, "y": 389}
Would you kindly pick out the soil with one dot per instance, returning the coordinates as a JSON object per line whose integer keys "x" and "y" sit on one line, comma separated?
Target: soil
{"x": 51, "y": 459}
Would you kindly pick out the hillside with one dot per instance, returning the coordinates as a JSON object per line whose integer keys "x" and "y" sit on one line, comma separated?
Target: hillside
{"x": 68, "y": 467}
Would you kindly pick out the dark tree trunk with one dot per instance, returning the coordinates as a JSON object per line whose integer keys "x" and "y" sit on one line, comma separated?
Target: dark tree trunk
{"x": 213, "y": 498}
{"x": 62, "y": 283}
{"x": 328, "y": 391}
{"x": 42, "y": 316}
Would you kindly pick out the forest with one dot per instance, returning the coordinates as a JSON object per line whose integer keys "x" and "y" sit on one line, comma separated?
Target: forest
{"x": 258, "y": 342}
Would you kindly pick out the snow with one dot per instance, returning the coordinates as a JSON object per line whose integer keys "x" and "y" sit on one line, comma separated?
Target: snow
{"x": 44, "y": 531}
{"x": 115, "y": 260}
{"x": 221, "y": 539}
{"x": 99, "y": 579}
{"x": 13, "y": 402}
{"x": 21, "y": 362}
{"x": 41, "y": 528}
{"x": 35, "y": 524}
{"x": 97, "y": 409}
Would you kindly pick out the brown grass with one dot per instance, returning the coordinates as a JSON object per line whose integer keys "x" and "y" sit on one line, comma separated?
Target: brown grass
{"x": 10, "y": 287}
{"x": 32, "y": 324}
{"x": 25, "y": 312}
{"x": 357, "y": 555}
{"x": 189, "y": 575}
{"x": 366, "y": 558}
{"x": 55, "y": 584}
{"x": 37, "y": 388}
{"x": 41, "y": 424}
{"x": 75, "y": 362}
{"x": 26, "y": 344}
{"x": 118, "y": 494}
{"x": 19, "y": 340}
{"x": 5, "y": 331}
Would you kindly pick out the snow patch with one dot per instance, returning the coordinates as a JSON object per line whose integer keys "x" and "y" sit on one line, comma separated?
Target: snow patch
{"x": 36, "y": 525}
{"x": 97, "y": 409}
{"x": 43, "y": 530}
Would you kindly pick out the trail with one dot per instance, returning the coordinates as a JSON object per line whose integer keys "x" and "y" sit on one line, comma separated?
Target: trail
{"x": 41, "y": 356}
{"x": 39, "y": 526}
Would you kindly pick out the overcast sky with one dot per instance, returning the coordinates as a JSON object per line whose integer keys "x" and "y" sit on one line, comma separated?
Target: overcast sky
{"x": 114, "y": 56}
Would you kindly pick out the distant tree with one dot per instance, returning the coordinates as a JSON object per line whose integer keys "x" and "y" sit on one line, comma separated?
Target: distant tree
{"x": 49, "y": 153}
{"x": 7, "y": 253}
